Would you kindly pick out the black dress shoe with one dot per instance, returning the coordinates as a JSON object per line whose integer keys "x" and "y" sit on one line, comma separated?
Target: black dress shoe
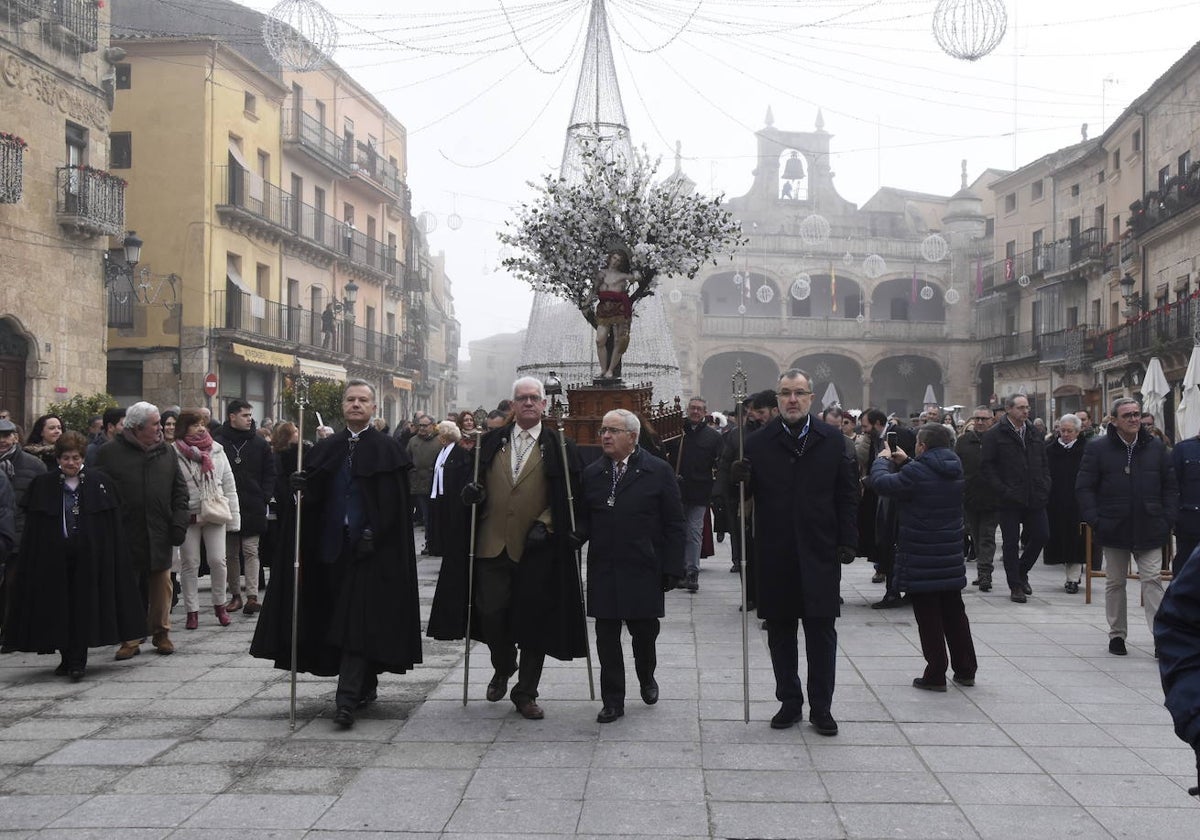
{"x": 925, "y": 685}
{"x": 529, "y": 709}
{"x": 343, "y": 718}
{"x": 1026, "y": 588}
{"x": 824, "y": 723}
{"x": 62, "y": 670}
{"x": 888, "y": 602}
{"x": 76, "y": 674}
{"x": 1117, "y": 645}
{"x": 787, "y": 717}
{"x": 497, "y": 688}
{"x": 650, "y": 692}
{"x": 1017, "y": 596}
{"x": 967, "y": 681}
{"x": 610, "y": 713}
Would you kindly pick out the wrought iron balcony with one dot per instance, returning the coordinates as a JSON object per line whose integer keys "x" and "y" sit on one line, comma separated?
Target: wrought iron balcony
{"x": 823, "y": 328}
{"x": 1003, "y": 348}
{"x": 1166, "y": 328}
{"x": 1175, "y": 198}
{"x": 373, "y": 169}
{"x": 12, "y": 167}
{"x": 1071, "y": 346}
{"x": 73, "y": 23}
{"x": 306, "y": 133}
{"x": 17, "y": 12}
{"x": 91, "y": 202}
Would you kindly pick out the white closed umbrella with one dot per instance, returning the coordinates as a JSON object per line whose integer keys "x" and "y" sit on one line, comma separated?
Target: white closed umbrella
{"x": 1154, "y": 388}
{"x": 831, "y": 397}
{"x": 1187, "y": 414}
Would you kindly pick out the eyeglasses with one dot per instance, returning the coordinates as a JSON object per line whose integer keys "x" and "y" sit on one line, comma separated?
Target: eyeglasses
{"x": 799, "y": 392}
{"x": 529, "y": 398}
{"x": 424, "y": 425}
{"x": 611, "y": 430}
{"x": 1130, "y": 415}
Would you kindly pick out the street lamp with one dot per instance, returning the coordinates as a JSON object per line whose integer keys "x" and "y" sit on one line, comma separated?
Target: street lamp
{"x": 1133, "y": 300}
{"x": 345, "y": 306}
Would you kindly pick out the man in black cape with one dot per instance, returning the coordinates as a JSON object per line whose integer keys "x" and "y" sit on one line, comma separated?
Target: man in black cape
{"x": 359, "y": 608}
{"x": 526, "y": 579}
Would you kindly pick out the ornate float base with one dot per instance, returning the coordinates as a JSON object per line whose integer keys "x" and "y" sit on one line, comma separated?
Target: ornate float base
{"x": 587, "y": 405}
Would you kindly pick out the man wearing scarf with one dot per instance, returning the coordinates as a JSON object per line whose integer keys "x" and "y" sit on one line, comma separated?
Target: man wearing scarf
{"x": 359, "y": 608}
{"x": 154, "y": 515}
{"x": 254, "y": 469}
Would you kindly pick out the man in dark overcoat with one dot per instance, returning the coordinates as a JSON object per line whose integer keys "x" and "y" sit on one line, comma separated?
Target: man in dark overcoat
{"x": 694, "y": 456}
{"x": 979, "y": 497}
{"x": 804, "y": 486}
{"x": 1013, "y": 461}
{"x": 359, "y": 608}
{"x": 254, "y": 471}
{"x": 634, "y": 521}
{"x": 527, "y": 591}
{"x": 154, "y": 515}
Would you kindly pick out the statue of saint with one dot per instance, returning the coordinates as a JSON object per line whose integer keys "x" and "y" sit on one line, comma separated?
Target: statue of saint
{"x": 614, "y": 311}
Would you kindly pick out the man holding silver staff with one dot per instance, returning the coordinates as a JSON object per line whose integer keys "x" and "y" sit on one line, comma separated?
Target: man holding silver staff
{"x": 804, "y": 486}
{"x": 359, "y": 612}
{"x": 526, "y": 589}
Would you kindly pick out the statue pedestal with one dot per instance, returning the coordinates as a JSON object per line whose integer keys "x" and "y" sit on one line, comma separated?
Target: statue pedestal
{"x": 589, "y": 403}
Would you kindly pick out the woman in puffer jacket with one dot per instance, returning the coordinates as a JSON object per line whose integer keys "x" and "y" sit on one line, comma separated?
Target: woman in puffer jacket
{"x": 208, "y": 475}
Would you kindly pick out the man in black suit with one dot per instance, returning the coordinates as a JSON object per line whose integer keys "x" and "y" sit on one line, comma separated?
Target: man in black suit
{"x": 805, "y": 490}
{"x": 634, "y": 517}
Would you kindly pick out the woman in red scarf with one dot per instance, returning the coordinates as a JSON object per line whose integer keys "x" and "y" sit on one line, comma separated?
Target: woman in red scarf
{"x": 208, "y": 475}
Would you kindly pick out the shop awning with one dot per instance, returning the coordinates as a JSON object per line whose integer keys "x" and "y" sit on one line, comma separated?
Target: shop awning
{"x": 322, "y": 370}
{"x": 264, "y": 357}
{"x": 401, "y": 382}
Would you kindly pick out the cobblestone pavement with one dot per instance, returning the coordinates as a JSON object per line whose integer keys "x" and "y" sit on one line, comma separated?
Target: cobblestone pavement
{"x": 1058, "y": 739}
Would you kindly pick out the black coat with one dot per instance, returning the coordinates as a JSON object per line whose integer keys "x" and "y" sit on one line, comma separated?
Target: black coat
{"x": 1177, "y": 640}
{"x": 1185, "y": 458}
{"x": 1015, "y": 468}
{"x": 805, "y": 506}
{"x": 366, "y": 605}
{"x": 1134, "y": 511}
{"x": 24, "y": 469}
{"x": 255, "y": 475}
{"x": 1066, "y": 543}
{"x": 928, "y": 492}
{"x": 636, "y": 541}
{"x": 701, "y": 447}
{"x": 547, "y": 609}
{"x": 886, "y": 526}
{"x": 448, "y": 615}
{"x": 978, "y": 494}
{"x": 103, "y": 601}
{"x": 154, "y": 500}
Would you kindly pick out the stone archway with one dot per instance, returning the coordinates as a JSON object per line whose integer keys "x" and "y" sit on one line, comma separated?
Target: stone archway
{"x": 14, "y": 362}
{"x": 827, "y": 369}
{"x": 898, "y": 384}
{"x": 762, "y": 372}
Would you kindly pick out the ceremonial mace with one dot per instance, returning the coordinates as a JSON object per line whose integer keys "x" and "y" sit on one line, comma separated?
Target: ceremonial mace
{"x": 300, "y": 391}
{"x": 480, "y": 418}
{"x": 739, "y": 385}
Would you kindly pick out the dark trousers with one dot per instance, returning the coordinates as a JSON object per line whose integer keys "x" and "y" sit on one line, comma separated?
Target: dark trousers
{"x": 1184, "y": 546}
{"x": 357, "y": 680}
{"x": 75, "y": 654}
{"x": 643, "y": 632}
{"x": 493, "y": 600}
{"x": 1018, "y": 561}
{"x": 941, "y": 623}
{"x": 820, "y": 648}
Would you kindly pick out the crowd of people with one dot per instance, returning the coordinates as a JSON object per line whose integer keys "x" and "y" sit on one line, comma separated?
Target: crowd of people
{"x": 94, "y": 529}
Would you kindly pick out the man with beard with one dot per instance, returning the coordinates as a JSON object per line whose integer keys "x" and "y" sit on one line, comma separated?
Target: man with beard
{"x": 254, "y": 470}
{"x": 359, "y": 610}
{"x": 526, "y": 591}
{"x": 805, "y": 492}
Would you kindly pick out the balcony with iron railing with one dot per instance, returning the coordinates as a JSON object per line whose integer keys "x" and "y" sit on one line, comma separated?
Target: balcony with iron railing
{"x": 1048, "y": 260}
{"x": 848, "y": 329}
{"x": 1167, "y": 328}
{"x": 377, "y": 172}
{"x": 1070, "y": 344}
{"x": 90, "y": 202}
{"x": 1003, "y": 348}
{"x": 12, "y": 167}
{"x": 1176, "y": 199}
{"x": 278, "y": 326}
{"x": 1075, "y": 253}
{"x": 17, "y": 12}
{"x": 306, "y": 133}
{"x": 72, "y": 23}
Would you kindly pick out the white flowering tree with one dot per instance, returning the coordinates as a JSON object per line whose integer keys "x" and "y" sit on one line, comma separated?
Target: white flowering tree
{"x": 564, "y": 236}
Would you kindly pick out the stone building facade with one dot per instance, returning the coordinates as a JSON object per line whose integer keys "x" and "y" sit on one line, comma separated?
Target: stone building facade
{"x": 58, "y": 203}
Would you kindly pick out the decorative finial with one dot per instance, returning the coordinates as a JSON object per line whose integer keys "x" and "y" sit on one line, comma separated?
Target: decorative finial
{"x": 964, "y": 173}
{"x": 739, "y": 382}
{"x": 820, "y": 120}
{"x": 770, "y": 120}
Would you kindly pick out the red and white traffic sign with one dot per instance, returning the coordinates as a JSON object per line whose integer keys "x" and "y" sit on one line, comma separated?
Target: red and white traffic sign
{"x": 210, "y": 384}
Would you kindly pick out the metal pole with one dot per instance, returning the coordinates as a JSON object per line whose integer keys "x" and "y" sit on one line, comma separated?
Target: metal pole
{"x": 739, "y": 382}
{"x": 301, "y": 393}
{"x": 480, "y": 417}
{"x": 562, "y": 442}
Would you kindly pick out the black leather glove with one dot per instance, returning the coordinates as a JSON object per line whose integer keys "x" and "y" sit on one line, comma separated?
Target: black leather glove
{"x": 739, "y": 471}
{"x": 178, "y": 534}
{"x": 538, "y": 535}
{"x": 473, "y": 494}
{"x": 846, "y": 554}
{"x": 366, "y": 544}
{"x": 670, "y": 582}
{"x": 297, "y": 481}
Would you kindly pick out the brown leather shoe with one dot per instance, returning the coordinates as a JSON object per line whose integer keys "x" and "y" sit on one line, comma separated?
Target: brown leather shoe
{"x": 497, "y": 688}
{"x": 127, "y": 651}
{"x": 529, "y": 710}
{"x": 162, "y": 644}
{"x": 235, "y": 604}
{"x": 252, "y": 605}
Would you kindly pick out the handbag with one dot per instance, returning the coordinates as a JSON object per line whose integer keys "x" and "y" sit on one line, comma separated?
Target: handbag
{"x": 214, "y": 507}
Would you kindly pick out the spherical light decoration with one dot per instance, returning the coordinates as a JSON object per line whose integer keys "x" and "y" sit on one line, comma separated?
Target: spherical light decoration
{"x": 874, "y": 266}
{"x": 969, "y": 29}
{"x": 934, "y": 248}
{"x": 741, "y": 309}
{"x": 765, "y": 293}
{"x": 1023, "y": 280}
{"x": 952, "y": 296}
{"x": 848, "y": 260}
{"x": 814, "y": 230}
{"x": 737, "y": 278}
{"x": 927, "y": 293}
{"x": 300, "y": 35}
{"x": 454, "y": 221}
{"x": 675, "y": 296}
{"x": 427, "y": 222}
{"x": 802, "y": 287}
{"x": 862, "y": 319}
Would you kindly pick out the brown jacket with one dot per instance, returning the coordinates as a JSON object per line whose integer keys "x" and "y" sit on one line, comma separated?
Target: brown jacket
{"x": 512, "y": 507}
